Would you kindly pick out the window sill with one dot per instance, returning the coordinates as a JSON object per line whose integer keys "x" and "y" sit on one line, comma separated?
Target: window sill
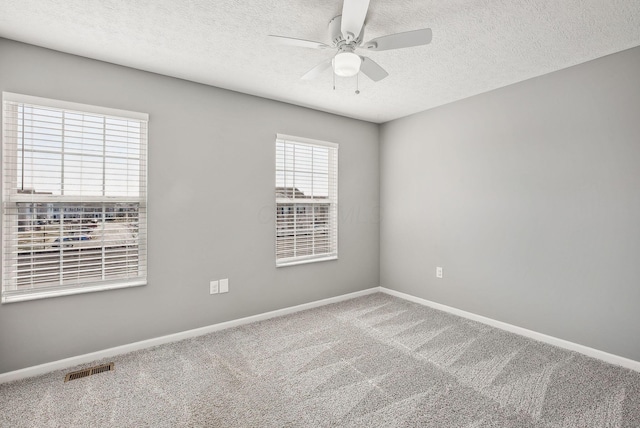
{"x": 305, "y": 261}
{"x": 9, "y": 297}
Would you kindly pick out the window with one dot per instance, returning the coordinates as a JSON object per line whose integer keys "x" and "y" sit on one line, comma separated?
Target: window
{"x": 74, "y": 198}
{"x": 306, "y": 200}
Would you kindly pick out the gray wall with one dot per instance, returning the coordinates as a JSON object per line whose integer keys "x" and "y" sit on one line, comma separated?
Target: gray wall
{"x": 211, "y": 203}
{"x": 529, "y": 198}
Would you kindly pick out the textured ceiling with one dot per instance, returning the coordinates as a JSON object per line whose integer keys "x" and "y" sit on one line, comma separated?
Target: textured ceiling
{"x": 478, "y": 45}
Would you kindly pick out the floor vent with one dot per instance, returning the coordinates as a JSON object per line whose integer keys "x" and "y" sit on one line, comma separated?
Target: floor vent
{"x": 89, "y": 371}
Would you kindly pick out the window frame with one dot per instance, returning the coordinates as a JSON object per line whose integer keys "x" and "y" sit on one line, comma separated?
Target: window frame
{"x": 332, "y": 201}
{"x": 12, "y": 198}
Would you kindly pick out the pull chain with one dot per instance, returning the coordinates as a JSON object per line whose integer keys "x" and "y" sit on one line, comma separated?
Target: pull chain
{"x": 334, "y": 81}
{"x": 357, "y": 84}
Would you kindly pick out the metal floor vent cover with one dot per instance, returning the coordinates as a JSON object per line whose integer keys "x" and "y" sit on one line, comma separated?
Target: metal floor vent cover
{"x": 89, "y": 371}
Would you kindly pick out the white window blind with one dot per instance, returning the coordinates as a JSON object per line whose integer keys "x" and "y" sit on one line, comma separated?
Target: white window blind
{"x": 74, "y": 198}
{"x": 306, "y": 200}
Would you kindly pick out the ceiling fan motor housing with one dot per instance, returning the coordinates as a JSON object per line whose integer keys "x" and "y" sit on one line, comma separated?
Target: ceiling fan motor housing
{"x": 337, "y": 38}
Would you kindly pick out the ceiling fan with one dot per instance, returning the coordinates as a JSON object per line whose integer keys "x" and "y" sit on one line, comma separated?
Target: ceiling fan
{"x": 346, "y": 32}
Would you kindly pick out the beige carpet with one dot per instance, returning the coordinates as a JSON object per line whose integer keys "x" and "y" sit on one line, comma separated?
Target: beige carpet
{"x": 374, "y": 361}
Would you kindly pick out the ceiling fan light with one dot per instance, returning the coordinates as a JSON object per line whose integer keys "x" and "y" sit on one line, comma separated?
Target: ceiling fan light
{"x": 346, "y": 64}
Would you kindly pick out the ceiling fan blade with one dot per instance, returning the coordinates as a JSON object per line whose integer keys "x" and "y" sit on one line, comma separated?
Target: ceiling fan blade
{"x": 400, "y": 40}
{"x": 290, "y": 41}
{"x": 317, "y": 70}
{"x": 353, "y": 14}
{"x": 372, "y": 70}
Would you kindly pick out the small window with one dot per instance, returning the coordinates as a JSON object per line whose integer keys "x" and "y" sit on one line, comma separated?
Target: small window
{"x": 306, "y": 200}
{"x": 74, "y": 198}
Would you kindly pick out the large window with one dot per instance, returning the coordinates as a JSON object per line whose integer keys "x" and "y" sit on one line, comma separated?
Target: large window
{"x": 306, "y": 200}
{"x": 74, "y": 198}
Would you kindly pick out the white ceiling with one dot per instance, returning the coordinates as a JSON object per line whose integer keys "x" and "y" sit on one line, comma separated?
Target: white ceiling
{"x": 478, "y": 45}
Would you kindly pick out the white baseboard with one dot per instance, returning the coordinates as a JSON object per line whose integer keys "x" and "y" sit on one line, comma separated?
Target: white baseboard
{"x": 561, "y": 343}
{"x": 119, "y": 350}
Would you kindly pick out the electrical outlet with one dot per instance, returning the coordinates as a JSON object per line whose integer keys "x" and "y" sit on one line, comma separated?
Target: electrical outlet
{"x": 224, "y": 285}
{"x": 438, "y": 272}
{"x": 213, "y": 287}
